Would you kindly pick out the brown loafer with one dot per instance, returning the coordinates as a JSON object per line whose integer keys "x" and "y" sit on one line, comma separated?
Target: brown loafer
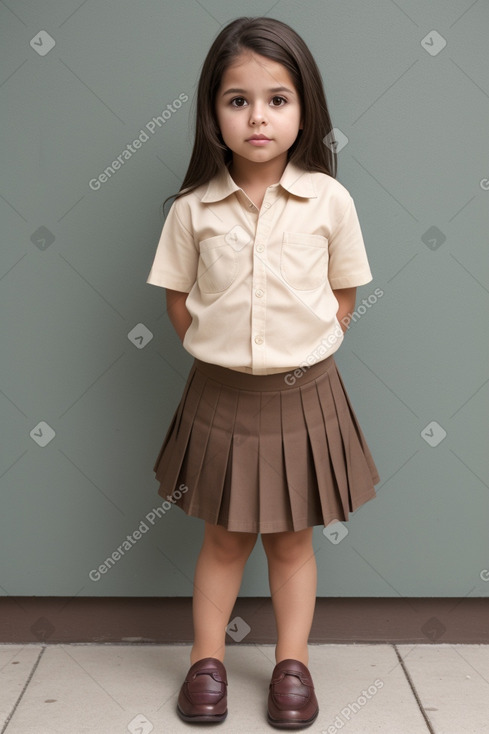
{"x": 292, "y": 702}
{"x": 203, "y": 695}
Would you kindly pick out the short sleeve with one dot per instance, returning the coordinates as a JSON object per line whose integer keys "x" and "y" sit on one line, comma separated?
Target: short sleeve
{"x": 176, "y": 259}
{"x": 348, "y": 263}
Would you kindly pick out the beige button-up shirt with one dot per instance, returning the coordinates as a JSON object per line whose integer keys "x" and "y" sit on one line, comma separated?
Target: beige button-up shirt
{"x": 260, "y": 281}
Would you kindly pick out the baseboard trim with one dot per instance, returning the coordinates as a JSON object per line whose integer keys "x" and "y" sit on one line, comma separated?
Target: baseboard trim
{"x": 168, "y": 620}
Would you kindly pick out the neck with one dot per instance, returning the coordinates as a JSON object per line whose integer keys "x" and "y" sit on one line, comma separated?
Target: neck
{"x": 247, "y": 173}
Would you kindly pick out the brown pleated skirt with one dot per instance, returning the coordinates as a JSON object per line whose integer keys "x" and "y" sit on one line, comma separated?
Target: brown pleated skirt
{"x": 265, "y": 453}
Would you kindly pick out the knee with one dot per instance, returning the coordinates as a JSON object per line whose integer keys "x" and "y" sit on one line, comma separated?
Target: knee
{"x": 229, "y": 546}
{"x": 289, "y": 546}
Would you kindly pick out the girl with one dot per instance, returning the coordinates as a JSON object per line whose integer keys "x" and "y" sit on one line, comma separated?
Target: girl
{"x": 261, "y": 254}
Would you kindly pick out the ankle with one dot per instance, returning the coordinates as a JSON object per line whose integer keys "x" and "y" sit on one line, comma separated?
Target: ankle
{"x": 201, "y": 652}
{"x": 292, "y": 653}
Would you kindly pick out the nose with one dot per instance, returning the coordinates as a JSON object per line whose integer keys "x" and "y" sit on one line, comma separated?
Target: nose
{"x": 257, "y": 115}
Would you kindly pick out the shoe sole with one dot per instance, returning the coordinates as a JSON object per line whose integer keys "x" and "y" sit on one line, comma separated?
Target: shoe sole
{"x": 280, "y": 724}
{"x": 202, "y": 718}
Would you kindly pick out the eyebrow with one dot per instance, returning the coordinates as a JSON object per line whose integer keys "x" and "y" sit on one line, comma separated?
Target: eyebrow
{"x": 243, "y": 91}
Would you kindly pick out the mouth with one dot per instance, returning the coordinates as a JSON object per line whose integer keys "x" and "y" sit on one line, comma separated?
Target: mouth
{"x": 258, "y": 141}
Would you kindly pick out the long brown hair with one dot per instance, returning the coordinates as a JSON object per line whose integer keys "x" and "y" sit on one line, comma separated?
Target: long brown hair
{"x": 277, "y": 41}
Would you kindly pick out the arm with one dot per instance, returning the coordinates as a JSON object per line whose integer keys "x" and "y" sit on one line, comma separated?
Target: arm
{"x": 346, "y": 299}
{"x": 178, "y": 312}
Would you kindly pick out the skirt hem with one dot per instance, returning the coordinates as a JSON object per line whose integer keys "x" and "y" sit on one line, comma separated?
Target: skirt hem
{"x": 274, "y": 527}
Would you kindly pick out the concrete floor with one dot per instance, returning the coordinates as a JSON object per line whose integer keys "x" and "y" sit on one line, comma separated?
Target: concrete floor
{"x": 116, "y": 688}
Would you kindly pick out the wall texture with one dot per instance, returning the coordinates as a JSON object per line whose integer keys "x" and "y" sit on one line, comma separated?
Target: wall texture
{"x": 91, "y": 369}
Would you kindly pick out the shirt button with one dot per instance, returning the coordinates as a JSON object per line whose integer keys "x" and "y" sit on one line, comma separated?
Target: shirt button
{"x": 259, "y": 293}
{"x": 267, "y": 205}
{"x": 258, "y": 340}
{"x": 260, "y": 248}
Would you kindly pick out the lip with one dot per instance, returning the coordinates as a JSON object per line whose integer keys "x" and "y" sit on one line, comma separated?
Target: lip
{"x": 258, "y": 140}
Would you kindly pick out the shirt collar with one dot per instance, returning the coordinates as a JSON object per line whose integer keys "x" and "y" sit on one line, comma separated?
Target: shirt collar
{"x": 295, "y": 180}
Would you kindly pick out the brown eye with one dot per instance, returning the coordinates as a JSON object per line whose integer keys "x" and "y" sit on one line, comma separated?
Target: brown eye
{"x": 238, "y": 101}
{"x": 280, "y": 100}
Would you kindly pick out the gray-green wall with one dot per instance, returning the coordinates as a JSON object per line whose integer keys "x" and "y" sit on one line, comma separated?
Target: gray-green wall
{"x": 73, "y": 296}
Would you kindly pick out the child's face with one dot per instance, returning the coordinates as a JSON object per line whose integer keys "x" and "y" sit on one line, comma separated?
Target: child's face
{"x": 257, "y": 97}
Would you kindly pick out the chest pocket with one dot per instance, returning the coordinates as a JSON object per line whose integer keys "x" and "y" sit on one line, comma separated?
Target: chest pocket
{"x": 218, "y": 264}
{"x": 304, "y": 260}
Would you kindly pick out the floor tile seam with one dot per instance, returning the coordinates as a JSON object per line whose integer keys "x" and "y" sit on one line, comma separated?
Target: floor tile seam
{"x": 414, "y": 691}
{"x": 21, "y": 694}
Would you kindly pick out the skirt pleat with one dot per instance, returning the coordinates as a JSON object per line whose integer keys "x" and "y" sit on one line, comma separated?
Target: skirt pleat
{"x": 324, "y": 446}
{"x": 198, "y": 456}
{"x": 360, "y": 467}
{"x": 364, "y": 454}
{"x": 211, "y": 475}
{"x": 168, "y": 463}
{"x": 270, "y": 457}
{"x": 263, "y": 453}
{"x": 297, "y": 455}
{"x": 335, "y": 437}
{"x": 244, "y": 476}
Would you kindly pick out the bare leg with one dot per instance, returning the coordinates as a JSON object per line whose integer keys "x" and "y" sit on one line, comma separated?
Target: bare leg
{"x": 217, "y": 580}
{"x": 292, "y": 574}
